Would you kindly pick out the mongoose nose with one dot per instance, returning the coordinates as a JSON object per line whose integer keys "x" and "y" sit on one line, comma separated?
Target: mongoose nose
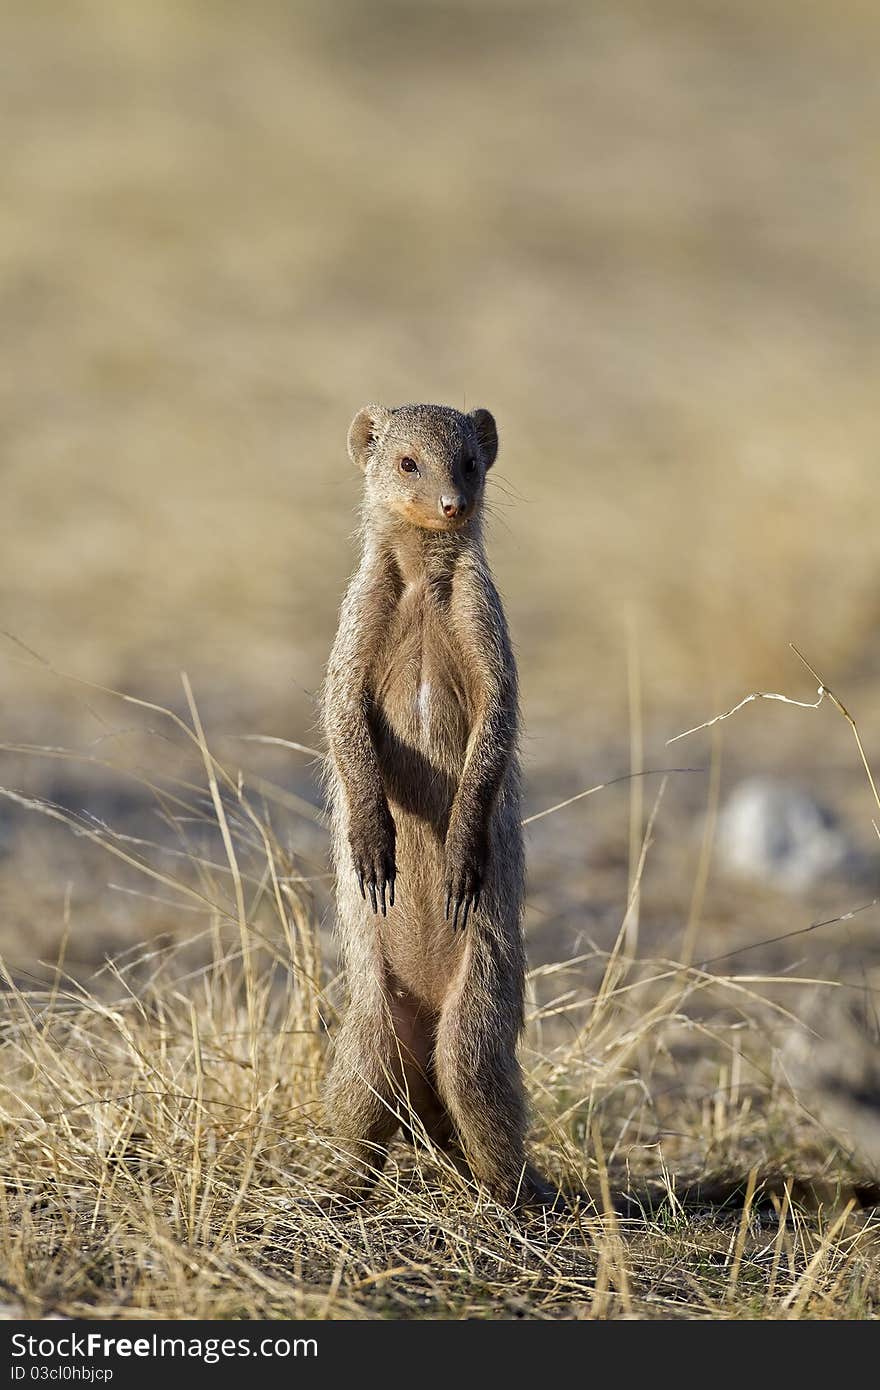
{"x": 454, "y": 505}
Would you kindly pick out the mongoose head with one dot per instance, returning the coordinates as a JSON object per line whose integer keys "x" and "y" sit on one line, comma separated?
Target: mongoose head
{"x": 426, "y": 463}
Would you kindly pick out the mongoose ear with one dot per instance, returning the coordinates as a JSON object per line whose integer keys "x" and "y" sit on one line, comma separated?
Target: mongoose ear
{"x": 487, "y": 435}
{"x": 364, "y": 430}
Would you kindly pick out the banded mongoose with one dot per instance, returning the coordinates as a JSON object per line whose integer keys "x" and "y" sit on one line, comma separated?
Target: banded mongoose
{"x": 420, "y": 713}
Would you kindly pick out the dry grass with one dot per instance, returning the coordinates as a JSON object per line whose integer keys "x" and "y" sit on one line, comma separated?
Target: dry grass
{"x": 163, "y": 1153}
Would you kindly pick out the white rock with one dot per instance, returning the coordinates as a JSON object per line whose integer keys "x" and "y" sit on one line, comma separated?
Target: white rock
{"x": 778, "y": 833}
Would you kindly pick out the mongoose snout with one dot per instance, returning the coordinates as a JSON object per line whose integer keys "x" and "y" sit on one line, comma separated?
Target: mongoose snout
{"x": 453, "y": 506}
{"x": 421, "y": 716}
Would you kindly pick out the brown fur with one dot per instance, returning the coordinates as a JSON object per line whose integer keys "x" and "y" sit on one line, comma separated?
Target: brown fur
{"x": 420, "y": 713}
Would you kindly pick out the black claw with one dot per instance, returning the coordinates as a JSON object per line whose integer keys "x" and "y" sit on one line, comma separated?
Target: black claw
{"x": 391, "y": 892}
{"x": 464, "y": 915}
{"x": 372, "y": 888}
{"x": 382, "y": 897}
{"x": 455, "y": 918}
{"x": 360, "y": 879}
{"x": 448, "y": 901}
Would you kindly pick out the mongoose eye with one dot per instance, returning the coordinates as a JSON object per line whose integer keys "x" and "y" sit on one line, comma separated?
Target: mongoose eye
{"x": 408, "y": 466}
{"x": 470, "y": 466}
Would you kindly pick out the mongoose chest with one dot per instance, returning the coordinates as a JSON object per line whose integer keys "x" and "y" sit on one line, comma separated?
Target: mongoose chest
{"x": 423, "y": 691}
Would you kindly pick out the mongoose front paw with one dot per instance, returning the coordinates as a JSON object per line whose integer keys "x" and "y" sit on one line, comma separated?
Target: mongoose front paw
{"x": 466, "y": 858}
{"x": 372, "y": 851}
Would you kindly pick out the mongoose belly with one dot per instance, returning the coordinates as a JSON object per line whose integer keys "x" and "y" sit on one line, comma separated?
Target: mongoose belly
{"x": 421, "y": 720}
{"x": 420, "y": 725}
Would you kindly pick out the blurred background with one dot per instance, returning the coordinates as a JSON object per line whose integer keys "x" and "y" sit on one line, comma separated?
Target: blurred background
{"x": 645, "y": 236}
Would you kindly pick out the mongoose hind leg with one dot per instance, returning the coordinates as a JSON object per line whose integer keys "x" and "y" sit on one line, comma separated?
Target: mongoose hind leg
{"x": 362, "y": 1100}
{"x": 423, "y": 1113}
{"x": 381, "y": 1080}
{"x": 478, "y": 1073}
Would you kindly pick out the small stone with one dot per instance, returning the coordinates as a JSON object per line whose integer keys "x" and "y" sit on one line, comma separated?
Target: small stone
{"x": 777, "y": 833}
